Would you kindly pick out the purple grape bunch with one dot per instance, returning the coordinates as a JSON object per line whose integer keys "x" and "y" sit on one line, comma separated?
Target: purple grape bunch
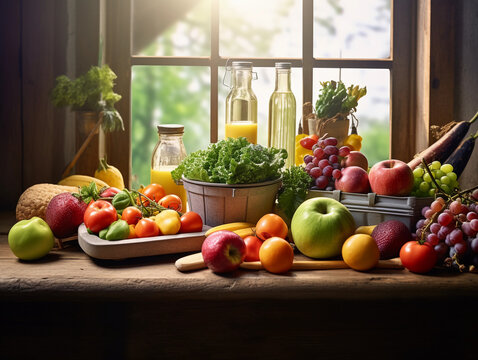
{"x": 451, "y": 227}
{"x": 324, "y": 166}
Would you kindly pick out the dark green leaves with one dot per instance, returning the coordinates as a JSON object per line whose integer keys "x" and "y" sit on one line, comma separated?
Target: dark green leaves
{"x": 295, "y": 186}
{"x": 88, "y": 193}
{"x": 92, "y": 91}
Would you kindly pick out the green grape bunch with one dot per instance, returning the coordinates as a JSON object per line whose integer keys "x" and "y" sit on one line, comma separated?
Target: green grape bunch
{"x": 444, "y": 176}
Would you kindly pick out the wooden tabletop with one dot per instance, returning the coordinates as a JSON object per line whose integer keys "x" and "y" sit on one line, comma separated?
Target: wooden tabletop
{"x": 71, "y": 273}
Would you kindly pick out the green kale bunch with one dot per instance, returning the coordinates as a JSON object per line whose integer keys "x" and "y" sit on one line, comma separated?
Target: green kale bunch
{"x": 232, "y": 161}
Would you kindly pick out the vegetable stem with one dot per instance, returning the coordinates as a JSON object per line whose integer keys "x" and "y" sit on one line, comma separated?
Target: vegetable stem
{"x": 473, "y": 118}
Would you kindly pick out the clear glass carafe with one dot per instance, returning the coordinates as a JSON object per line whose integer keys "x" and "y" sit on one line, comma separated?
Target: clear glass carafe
{"x": 241, "y": 104}
{"x": 167, "y": 155}
{"x": 282, "y": 113}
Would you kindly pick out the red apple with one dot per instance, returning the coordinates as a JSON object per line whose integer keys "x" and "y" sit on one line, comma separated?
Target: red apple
{"x": 223, "y": 251}
{"x": 391, "y": 177}
{"x": 355, "y": 158}
{"x": 354, "y": 179}
{"x": 253, "y": 245}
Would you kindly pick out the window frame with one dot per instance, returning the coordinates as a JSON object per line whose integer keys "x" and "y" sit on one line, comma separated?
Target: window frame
{"x": 118, "y": 54}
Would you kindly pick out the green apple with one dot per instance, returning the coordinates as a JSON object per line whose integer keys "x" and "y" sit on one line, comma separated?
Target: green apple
{"x": 320, "y": 226}
{"x": 31, "y": 239}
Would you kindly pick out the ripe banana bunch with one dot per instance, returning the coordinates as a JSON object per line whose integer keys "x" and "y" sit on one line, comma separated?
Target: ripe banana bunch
{"x": 237, "y": 227}
{"x": 82, "y": 180}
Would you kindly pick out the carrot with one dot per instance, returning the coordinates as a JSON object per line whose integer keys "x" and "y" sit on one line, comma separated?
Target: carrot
{"x": 462, "y": 154}
{"x": 441, "y": 149}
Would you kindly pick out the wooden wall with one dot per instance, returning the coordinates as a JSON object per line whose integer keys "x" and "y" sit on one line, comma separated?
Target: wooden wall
{"x": 40, "y": 41}
{"x": 466, "y": 73}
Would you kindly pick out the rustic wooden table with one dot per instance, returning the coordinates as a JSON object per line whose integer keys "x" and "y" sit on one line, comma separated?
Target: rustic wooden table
{"x": 69, "y": 303}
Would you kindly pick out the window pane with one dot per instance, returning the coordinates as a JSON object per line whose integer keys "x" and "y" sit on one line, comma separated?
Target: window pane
{"x": 167, "y": 95}
{"x": 351, "y": 28}
{"x": 165, "y": 28}
{"x": 263, "y": 88}
{"x": 266, "y": 28}
{"x": 373, "y": 110}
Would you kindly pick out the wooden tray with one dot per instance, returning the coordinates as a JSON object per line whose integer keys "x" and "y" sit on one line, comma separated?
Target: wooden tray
{"x": 130, "y": 248}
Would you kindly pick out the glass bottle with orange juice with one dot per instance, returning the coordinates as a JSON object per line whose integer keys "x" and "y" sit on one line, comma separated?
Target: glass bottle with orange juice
{"x": 241, "y": 104}
{"x": 167, "y": 155}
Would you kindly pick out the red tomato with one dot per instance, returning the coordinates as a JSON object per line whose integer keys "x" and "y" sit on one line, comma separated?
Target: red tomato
{"x": 154, "y": 192}
{"x": 418, "y": 258}
{"x": 99, "y": 215}
{"x": 190, "y": 222}
{"x": 131, "y": 215}
{"x": 309, "y": 141}
{"x": 253, "y": 245}
{"x": 110, "y": 192}
{"x": 171, "y": 202}
{"x": 146, "y": 228}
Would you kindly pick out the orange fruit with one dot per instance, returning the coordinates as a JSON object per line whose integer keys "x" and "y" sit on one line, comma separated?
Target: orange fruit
{"x": 271, "y": 225}
{"x": 276, "y": 255}
{"x": 360, "y": 252}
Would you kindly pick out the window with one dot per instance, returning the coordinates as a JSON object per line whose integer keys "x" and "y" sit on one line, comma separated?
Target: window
{"x": 173, "y": 58}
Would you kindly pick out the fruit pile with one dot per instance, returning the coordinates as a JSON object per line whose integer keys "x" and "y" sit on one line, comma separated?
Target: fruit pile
{"x": 451, "y": 227}
{"x": 324, "y": 166}
{"x": 426, "y": 182}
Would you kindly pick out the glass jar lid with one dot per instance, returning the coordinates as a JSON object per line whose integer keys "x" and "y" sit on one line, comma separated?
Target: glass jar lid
{"x": 171, "y": 129}
{"x": 242, "y": 65}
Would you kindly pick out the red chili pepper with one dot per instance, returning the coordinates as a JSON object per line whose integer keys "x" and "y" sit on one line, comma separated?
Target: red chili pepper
{"x": 309, "y": 141}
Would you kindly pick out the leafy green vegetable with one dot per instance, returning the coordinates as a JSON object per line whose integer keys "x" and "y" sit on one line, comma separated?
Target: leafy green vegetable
{"x": 92, "y": 91}
{"x": 334, "y": 98}
{"x": 295, "y": 186}
{"x": 232, "y": 161}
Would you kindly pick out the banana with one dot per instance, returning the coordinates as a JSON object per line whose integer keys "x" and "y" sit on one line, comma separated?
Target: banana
{"x": 243, "y": 233}
{"x": 365, "y": 229}
{"x": 82, "y": 180}
{"x": 230, "y": 227}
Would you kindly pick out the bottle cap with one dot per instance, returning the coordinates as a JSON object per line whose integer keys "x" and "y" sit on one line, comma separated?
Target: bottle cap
{"x": 283, "y": 65}
{"x": 170, "y": 129}
{"x": 242, "y": 65}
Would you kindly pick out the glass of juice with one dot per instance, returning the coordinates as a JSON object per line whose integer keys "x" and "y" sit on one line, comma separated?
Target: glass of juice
{"x": 167, "y": 155}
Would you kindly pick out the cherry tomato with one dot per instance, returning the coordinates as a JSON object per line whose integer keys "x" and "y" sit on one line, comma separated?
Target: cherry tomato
{"x": 154, "y": 192}
{"x": 309, "y": 141}
{"x": 253, "y": 245}
{"x": 190, "y": 222}
{"x": 110, "y": 192}
{"x": 418, "y": 258}
{"x": 146, "y": 228}
{"x": 131, "y": 215}
{"x": 99, "y": 215}
{"x": 271, "y": 225}
{"x": 171, "y": 202}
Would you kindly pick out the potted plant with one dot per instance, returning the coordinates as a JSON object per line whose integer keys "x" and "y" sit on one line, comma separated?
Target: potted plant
{"x": 91, "y": 95}
{"x": 333, "y": 107}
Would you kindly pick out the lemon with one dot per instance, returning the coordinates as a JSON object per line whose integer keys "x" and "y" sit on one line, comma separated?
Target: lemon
{"x": 360, "y": 252}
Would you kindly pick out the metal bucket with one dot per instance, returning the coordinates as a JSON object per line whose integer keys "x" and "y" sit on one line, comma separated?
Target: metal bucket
{"x": 221, "y": 203}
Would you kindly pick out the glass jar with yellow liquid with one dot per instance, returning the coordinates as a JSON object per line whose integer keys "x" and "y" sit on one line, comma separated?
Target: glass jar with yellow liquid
{"x": 241, "y": 104}
{"x": 167, "y": 155}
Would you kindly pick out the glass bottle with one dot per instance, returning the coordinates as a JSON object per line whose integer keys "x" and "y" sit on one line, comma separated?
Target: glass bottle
{"x": 167, "y": 155}
{"x": 241, "y": 104}
{"x": 282, "y": 113}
